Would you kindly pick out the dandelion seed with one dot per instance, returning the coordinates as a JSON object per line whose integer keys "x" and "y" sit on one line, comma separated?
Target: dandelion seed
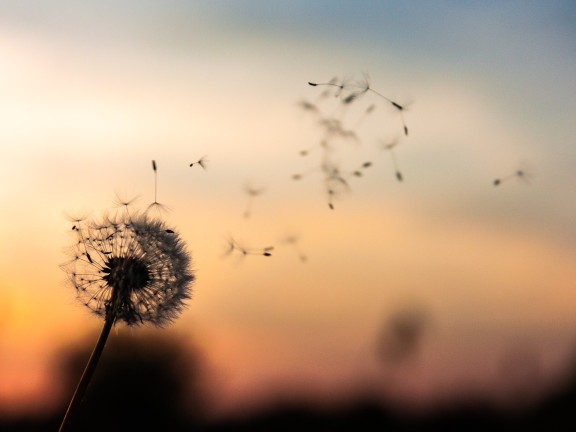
{"x": 360, "y": 171}
{"x": 523, "y": 174}
{"x": 242, "y": 251}
{"x": 252, "y": 193}
{"x": 335, "y": 182}
{"x": 518, "y": 175}
{"x": 301, "y": 175}
{"x": 390, "y": 148}
{"x": 324, "y": 144}
{"x": 333, "y": 128}
{"x": 201, "y": 162}
{"x": 154, "y": 168}
{"x": 292, "y": 240}
{"x": 308, "y": 106}
{"x": 331, "y": 194}
{"x": 161, "y": 209}
{"x": 333, "y": 83}
{"x": 365, "y": 87}
{"x": 156, "y": 205}
{"x": 351, "y": 97}
{"x": 365, "y": 114}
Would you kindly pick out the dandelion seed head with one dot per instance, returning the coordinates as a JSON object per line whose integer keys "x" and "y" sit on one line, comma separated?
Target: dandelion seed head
{"x": 132, "y": 267}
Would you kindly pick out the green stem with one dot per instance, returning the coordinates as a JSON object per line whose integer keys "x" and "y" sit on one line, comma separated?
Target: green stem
{"x": 88, "y": 372}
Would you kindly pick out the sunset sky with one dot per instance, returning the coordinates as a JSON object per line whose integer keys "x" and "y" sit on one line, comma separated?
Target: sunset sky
{"x": 91, "y": 92}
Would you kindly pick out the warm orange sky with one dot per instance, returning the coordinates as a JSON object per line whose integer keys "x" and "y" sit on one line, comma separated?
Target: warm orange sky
{"x": 86, "y": 107}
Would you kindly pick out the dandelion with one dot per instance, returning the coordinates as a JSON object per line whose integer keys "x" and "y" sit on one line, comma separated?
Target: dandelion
{"x": 126, "y": 268}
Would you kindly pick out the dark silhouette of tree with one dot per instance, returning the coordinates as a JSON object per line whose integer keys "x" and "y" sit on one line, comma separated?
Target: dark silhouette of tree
{"x": 142, "y": 383}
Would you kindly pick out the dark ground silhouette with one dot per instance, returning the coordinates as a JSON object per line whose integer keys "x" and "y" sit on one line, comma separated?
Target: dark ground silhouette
{"x": 149, "y": 383}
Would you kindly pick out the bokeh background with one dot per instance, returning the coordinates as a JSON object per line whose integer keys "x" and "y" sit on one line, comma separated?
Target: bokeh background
{"x": 421, "y": 293}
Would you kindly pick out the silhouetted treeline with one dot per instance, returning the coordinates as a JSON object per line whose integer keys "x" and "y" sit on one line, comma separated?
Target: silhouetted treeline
{"x": 152, "y": 383}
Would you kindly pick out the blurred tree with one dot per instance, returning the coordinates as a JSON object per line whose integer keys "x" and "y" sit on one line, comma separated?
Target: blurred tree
{"x": 142, "y": 383}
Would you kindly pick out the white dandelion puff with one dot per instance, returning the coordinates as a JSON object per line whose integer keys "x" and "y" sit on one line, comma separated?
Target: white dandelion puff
{"x": 134, "y": 269}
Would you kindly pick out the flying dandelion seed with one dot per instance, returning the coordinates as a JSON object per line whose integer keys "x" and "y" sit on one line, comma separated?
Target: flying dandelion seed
{"x": 156, "y": 205}
{"x": 360, "y": 171}
{"x": 301, "y": 175}
{"x": 336, "y": 181}
{"x": 293, "y": 240}
{"x": 330, "y": 203}
{"x": 201, "y": 162}
{"x": 235, "y": 247}
{"x": 365, "y": 114}
{"x": 333, "y": 83}
{"x": 363, "y": 86}
{"x": 126, "y": 268}
{"x": 336, "y": 131}
{"x": 333, "y": 128}
{"x": 308, "y": 106}
{"x": 390, "y": 148}
{"x": 333, "y": 190}
{"x": 323, "y": 145}
{"x": 252, "y": 193}
{"x": 519, "y": 174}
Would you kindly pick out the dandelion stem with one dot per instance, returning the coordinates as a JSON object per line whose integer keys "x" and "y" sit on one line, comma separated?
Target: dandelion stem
{"x": 88, "y": 372}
